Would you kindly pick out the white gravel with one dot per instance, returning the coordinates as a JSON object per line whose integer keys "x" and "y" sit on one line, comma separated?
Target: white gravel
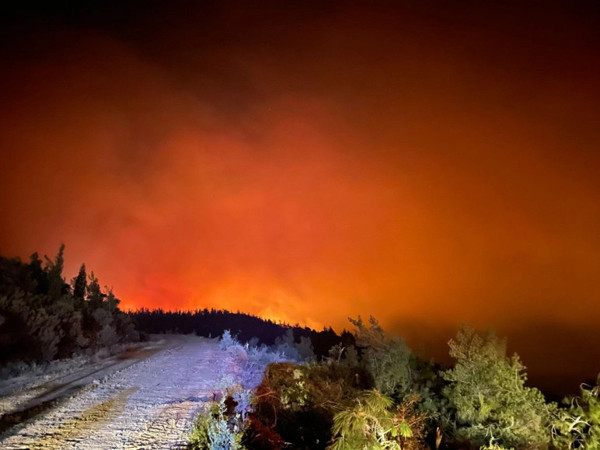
{"x": 149, "y": 404}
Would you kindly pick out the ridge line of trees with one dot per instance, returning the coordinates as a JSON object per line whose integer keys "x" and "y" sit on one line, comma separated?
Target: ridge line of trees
{"x": 246, "y": 328}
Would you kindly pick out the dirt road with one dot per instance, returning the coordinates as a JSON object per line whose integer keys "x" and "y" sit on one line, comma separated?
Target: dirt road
{"x": 146, "y": 399}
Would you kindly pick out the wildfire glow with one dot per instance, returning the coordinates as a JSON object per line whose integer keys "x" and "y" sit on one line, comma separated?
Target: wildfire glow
{"x": 426, "y": 167}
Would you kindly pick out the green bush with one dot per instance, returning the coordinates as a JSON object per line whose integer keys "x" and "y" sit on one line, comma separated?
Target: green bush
{"x": 578, "y": 425}
{"x": 487, "y": 391}
{"x": 370, "y": 423}
{"x": 217, "y": 429}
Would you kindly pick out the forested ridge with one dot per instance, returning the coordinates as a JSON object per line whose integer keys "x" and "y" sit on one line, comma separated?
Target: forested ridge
{"x": 245, "y": 327}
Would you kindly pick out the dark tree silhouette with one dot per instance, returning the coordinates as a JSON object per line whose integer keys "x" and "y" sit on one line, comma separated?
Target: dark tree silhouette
{"x": 54, "y": 270}
{"x": 79, "y": 284}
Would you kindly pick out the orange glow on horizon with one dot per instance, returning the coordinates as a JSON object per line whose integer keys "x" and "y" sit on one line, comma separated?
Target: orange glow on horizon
{"x": 427, "y": 166}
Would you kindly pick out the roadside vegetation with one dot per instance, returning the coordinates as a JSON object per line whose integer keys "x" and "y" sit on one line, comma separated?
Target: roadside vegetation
{"x": 376, "y": 394}
{"x": 44, "y": 318}
{"x": 290, "y": 387}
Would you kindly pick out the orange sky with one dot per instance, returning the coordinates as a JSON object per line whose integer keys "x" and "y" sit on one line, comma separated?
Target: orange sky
{"x": 310, "y": 162}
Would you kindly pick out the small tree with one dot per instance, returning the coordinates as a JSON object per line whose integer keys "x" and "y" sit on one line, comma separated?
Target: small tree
{"x": 386, "y": 358}
{"x": 95, "y": 296}
{"x": 79, "y": 285}
{"x": 112, "y": 302}
{"x": 38, "y": 275}
{"x": 54, "y": 271}
{"x": 487, "y": 390}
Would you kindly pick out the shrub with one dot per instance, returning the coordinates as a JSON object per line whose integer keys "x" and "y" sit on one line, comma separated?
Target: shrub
{"x": 578, "y": 426}
{"x": 230, "y": 421}
{"x": 298, "y": 402}
{"x": 301, "y": 351}
{"x": 259, "y": 358}
{"x": 411, "y": 422}
{"x": 487, "y": 391}
{"x": 246, "y": 364}
{"x": 216, "y": 430}
{"x": 227, "y": 341}
{"x": 370, "y": 423}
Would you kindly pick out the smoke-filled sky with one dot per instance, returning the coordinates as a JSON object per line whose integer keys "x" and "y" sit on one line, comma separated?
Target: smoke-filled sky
{"x": 429, "y": 163}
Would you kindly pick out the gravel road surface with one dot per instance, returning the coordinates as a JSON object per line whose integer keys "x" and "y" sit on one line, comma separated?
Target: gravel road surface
{"x": 145, "y": 398}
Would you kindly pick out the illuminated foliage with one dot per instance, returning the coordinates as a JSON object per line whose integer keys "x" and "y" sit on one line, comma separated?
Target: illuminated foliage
{"x": 368, "y": 424}
{"x": 299, "y": 401}
{"x": 387, "y": 359}
{"x": 371, "y": 424}
{"x": 487, "y": 390}
{"x": 578, "y": 426}
{"x": 245, "y": 364}
{"x": 396, "y": 371}
{"x": 230, "y": 424}
{"x": 217, "y": 430}
{"x": 411, "y": 423}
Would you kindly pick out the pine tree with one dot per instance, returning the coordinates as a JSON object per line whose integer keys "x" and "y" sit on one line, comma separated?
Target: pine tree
{"x": 111, "y": 301}
{"x": 56, "y": 283}
{"x": 38, "y": 275}
{"x": 94, "y": 293}
{"x": 79, "y": 285}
